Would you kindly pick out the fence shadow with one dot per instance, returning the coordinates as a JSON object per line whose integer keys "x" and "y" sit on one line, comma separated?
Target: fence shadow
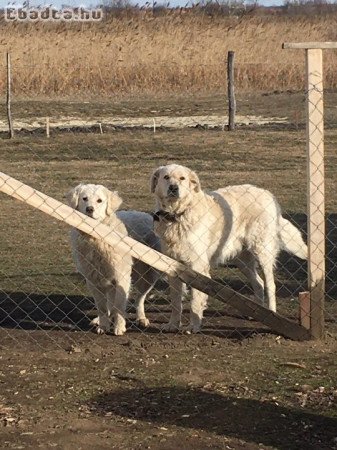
{"x": 296, "y": 270}
{"x": 242, "y": 418}
{"x": 74, "y": 313}
{"x": 31, "y": 310}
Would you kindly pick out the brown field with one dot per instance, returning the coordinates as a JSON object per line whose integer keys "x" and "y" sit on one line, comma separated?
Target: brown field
{"x": 173, "y": 52}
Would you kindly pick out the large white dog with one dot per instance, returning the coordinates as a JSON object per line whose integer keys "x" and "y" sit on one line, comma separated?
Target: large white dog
{"x": 106, "y": 270}
{"x": 239, "y": 224}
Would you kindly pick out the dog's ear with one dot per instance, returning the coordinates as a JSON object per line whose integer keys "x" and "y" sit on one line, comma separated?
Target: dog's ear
{"x": 194, "y": 181}
{"x": 114, "y": 202}
{"x": 154, "y": 179}
{"x": 73, "y": 196}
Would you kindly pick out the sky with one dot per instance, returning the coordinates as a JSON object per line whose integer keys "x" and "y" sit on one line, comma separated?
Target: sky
{"x": 57, "y": 3}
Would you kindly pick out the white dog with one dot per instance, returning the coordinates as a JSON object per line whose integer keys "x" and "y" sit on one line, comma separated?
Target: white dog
{"x": 238, "y": 224}
{"x": 106, "y": 270}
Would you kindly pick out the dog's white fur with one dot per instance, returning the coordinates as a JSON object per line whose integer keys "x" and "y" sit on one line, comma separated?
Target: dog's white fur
{"x": 106, "y": 270}
{"x": 239, "y": 224}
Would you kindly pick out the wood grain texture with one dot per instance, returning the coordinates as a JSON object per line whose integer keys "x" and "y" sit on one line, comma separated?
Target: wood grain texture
{"x": 315, "y": 189}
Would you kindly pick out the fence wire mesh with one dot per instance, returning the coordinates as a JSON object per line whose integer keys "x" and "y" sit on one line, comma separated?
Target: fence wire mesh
{"x": 53, "y": 285}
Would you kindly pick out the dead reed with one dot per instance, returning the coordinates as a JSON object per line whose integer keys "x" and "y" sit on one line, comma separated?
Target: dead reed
{"x": 175, "y": 52}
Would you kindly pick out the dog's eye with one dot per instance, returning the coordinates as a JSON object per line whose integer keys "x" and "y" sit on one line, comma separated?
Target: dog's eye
{"x": 85, "y": 199}
{"x": 99, "y": 200}
{"x": 166, "y": 177}
{"x": 182, "y": 178}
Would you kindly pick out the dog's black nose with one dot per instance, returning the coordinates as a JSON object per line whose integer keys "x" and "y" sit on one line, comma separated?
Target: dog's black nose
{"x": 173, "y": 188}
{"x": 89, "y": 209}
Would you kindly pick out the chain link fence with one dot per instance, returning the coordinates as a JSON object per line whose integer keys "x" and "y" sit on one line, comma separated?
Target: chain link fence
{"x": 99, "y": 159}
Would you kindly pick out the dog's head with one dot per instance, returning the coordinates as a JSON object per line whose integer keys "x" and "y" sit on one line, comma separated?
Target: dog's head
{"x": 94, "y": 200}
{"x": 173, "y": 183}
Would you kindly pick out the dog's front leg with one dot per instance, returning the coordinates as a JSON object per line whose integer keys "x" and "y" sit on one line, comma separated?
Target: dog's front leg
{"x": 103, "y": 321}
{"x": 118, "y": 304}
{"x": 198, "y": 303}
{"x": 176, "y": 295}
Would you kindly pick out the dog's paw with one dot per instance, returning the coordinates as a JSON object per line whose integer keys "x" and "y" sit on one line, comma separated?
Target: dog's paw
{"x": 102, "y": 330}
{"x": 143, "y": 322}
{"x": 95, "y": 322}
{"x": 192, "y": 329}
{"x": 102, "y": 324}
{"x": 171, "y": 327}
{"x": 119, "y": 329}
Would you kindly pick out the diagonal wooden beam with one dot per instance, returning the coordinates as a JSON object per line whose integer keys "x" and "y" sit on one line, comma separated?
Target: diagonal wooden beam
{"x": 64, "y": 213}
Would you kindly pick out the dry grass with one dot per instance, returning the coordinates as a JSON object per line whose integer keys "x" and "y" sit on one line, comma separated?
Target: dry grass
{"x": 170, "y": 53}
{"x": 36, "y": 257}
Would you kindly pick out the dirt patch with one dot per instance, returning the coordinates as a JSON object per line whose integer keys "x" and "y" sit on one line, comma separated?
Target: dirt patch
{"x": 165, "y": 392}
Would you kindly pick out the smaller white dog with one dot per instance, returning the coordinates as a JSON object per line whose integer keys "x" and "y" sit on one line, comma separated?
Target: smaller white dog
{"x": 107, "y": 271}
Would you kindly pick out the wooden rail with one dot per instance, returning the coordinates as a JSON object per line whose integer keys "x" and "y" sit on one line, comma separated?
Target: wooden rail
{"x": 308, "y": 45}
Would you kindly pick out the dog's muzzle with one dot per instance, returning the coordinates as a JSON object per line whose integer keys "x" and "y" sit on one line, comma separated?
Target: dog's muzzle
{"x": 89, "y": 210}
{"x": 173, "y": 191}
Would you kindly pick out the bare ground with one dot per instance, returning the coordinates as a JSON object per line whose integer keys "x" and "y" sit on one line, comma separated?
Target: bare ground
{"x": 167, "y": 392}
{"x": 153, "y": 122}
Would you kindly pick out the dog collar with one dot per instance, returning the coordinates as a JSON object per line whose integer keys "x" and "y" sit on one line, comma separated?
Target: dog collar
{"x": 166, "y": 215}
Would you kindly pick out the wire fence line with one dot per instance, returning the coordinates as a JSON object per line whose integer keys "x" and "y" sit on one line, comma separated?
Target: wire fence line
{"x": 44, "y": 288}
{"x": 108, "y": 268}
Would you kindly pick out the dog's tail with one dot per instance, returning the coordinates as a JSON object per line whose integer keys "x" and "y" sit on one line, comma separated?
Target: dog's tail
{"x": 291, "y": 239}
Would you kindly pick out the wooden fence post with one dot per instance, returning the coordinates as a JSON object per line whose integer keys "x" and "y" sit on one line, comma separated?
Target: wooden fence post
{"x": 9, "y": 113}
{"x": 231, "y": 91}
{"x": 304, "y": 309}
{"x": 47, "y": 127}
{"x": 315, "y": 177}
{"x": 316, "y": 206}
